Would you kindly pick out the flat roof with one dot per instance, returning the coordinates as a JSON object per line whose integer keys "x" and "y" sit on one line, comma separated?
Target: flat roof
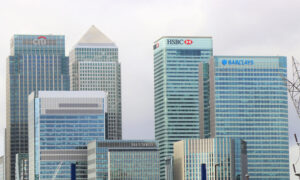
{"x": 245, "y": 56}
{"x": 72, "y": 94}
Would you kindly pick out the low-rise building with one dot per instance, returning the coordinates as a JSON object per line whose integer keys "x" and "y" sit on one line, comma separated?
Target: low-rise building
{"x": 123, "y": 159}
{"x": 22, "y": 166}
{"x": 225, "y": 158}
{"x": 2, "y": 168}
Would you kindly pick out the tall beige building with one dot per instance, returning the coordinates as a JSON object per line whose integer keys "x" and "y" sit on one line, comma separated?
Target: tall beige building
{"x": 2, "y": 168}
{"x": 94, "y": 66}
{"x": 225, "y": 158}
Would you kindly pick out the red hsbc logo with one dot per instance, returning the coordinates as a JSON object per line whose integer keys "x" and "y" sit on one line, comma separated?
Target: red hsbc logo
{"x": 156, "y": 46}
{"x": 179, "y": 41}
{"x": 188, "y": 42}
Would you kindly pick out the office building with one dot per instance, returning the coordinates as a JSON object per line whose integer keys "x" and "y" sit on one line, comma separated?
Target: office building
{"x": 22, "y": 167}
{"x": 176, "y": 61}
{"x": 123, "y": 159}
{"x": 169, "y": 168}
{"x": 94, "y": 66}
{"x": 2, "y": 168}
{"x": 61, "y": 123}
{"x": 225, "y": 158}
{"x": 37, "y": 62}
{"x": 248, "y": 100}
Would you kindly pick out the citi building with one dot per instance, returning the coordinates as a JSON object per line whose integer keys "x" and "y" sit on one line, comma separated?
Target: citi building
{"x": 37, "y": 62}
{"x": 176, "y": 61}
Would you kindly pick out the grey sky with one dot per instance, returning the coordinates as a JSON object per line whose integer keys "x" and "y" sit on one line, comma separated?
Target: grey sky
{"x": 248, "y": 27}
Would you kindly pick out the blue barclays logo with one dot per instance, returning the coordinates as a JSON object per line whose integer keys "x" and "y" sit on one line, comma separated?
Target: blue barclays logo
{"x": 237, "y": 62}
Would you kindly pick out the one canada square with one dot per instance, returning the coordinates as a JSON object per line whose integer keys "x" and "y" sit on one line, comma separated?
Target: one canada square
{"x": 37, "y": 62}
{"x": 94, "y": 66}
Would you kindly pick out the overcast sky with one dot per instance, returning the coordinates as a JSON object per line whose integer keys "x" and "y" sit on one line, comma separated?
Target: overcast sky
{"x": 247, "y": 27}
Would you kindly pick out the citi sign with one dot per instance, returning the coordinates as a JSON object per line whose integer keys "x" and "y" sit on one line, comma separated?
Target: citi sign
{"x": 41, "y": 40}
{"x": 237, "y": 62}
{"x": 179, "y": 41}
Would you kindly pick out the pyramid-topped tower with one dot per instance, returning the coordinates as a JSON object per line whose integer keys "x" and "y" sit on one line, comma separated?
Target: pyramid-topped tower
{"x": 94, "y": 37}
{"x": 94, "y": 66}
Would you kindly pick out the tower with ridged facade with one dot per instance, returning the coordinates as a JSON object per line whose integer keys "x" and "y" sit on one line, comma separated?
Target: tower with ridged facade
{"x": 37, "y": 62}
{"x": 94, "y": 66}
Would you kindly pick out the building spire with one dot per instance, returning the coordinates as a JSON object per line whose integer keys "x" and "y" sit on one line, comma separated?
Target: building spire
{"x": 94, "y": 36}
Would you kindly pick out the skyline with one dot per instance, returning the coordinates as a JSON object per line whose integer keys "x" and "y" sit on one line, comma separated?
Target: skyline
{"x": 257, "y": 30}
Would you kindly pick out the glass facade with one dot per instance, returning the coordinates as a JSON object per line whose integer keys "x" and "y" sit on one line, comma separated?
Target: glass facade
{"x": 225, "y": 159}
{"x": 94, "y": 66}
{"x": 176, "y": 87}
{"x": 249, "y": 100}
{"x": 204, "y": 94}
{"x": 37, "y": 62}
{"x": 22, "y": 167}
{"x": 127, "y": 159}
{"x": 61, "y": 125}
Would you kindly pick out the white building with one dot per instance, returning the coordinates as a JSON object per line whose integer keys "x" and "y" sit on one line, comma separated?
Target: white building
{"x": 94, "y": 66}
{"x": 224, "y": 158}
{"x": 2, "y": 165}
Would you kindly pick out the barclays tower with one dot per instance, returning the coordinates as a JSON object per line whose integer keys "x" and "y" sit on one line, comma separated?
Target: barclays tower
{"x": 248, "y": 99}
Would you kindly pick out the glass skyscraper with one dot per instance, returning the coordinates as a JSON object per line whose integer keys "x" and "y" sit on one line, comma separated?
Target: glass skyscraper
{"x": 37, "y": 62}
{"x": 94, "y": 66}
{"x": 61, "y": 123}
{"x": 248, "y": 100}
{"x": 176, "y": 61}
{"x": 225, "y": 159}
{"x": 123, "y": 159}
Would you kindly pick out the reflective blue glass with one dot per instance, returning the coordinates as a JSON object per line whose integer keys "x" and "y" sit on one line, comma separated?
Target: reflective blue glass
{"x": 250, "y": 102}
{"x": 176, "y": 87}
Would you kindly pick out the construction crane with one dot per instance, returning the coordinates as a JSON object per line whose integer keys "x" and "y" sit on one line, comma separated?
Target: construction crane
{"x": 57, "y": 170}
{"x": 294, "y": 91}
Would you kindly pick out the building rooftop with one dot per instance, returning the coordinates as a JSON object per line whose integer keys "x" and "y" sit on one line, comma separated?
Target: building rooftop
{"x": 94, "y": 37}
{"x": 164, "y": 37}
{"x": 71, "y": 94}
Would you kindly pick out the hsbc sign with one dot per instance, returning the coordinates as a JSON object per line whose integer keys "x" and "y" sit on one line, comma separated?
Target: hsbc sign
{"x": 179, "y": 41}
{"x": 41, "y": 40}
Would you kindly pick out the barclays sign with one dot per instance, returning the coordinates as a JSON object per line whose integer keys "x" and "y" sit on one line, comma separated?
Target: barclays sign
{"x": 237, "y": 62}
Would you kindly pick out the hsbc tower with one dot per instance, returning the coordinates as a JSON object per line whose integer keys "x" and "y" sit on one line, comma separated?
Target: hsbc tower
{"x": 176, "y": 87}
{"x": 37, "y": 62}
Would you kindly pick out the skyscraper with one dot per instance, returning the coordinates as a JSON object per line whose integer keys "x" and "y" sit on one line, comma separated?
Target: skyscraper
{"x": 248, "y": 100}
{"x": 37, "y": 62}
{"x": 176, "y": 61}
{"x": 61, "y": 124}
{"x": 94, "y": 66}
